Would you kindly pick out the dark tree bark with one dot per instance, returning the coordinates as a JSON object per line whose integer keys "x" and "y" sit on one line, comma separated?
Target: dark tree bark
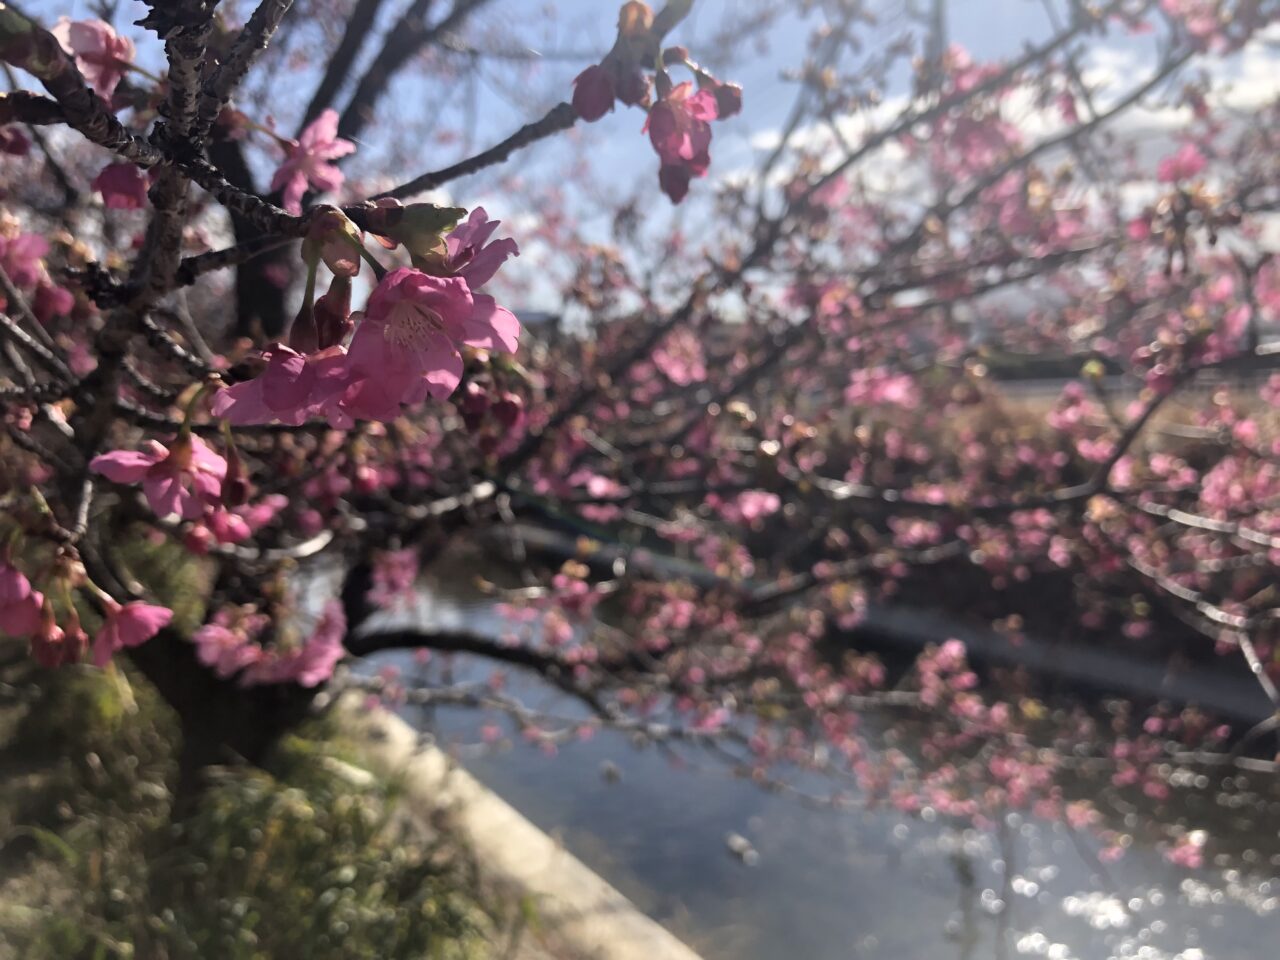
{"x": 260, "y": 300}
{"x": 221, "y": 722}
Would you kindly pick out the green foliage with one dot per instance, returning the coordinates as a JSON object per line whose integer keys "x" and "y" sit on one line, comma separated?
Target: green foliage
{"x": 311, "y": 859}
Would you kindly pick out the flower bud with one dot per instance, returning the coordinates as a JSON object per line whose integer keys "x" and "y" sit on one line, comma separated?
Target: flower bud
{"x": 593, "y": 93}
{"x": 236, "y": 488}
{"x": 420, "y": 227}
{"x": 634, "y": 19}
{"x": 333, "y": 314}
{"x": 334, "y": 239}
{"x": 728, "y": 100}
{"x": 509, "y": 410}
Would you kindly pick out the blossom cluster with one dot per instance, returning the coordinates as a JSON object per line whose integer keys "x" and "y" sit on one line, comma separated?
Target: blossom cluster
{"x": 56, "y": 634}
{"x": 679, "y": 119}
{"x": 406, "y": 346}
{"x": 230, "y": 645}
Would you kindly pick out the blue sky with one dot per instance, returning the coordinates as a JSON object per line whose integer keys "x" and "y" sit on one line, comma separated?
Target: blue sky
{"x": 507, "y": 97}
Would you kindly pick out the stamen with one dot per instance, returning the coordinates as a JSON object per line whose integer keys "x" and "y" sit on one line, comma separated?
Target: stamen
{"x": 409, "y": 325}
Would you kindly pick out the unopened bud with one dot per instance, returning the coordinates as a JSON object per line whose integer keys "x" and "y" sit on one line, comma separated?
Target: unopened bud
{"x": 728, "y": 100}
{"x": 333, "y": 314}
{"x": 635, "y": 18}
{"x": 420, "y": 227}
{"x": 509, "y": 410}
{"x": 236, "y": 488}
{"x": 27, "y": 45}
{"x": 593, "y": 93}
{"x": 334, "y": 239}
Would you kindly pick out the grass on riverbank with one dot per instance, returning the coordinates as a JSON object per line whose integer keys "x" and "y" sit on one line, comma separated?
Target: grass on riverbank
{"x": 311, "y": 859}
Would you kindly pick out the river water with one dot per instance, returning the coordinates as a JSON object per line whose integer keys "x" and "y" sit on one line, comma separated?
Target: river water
{"x": 829, "y": 885}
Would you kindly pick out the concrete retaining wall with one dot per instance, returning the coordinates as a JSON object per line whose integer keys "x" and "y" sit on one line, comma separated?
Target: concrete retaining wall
{"x": 580, "y": 915}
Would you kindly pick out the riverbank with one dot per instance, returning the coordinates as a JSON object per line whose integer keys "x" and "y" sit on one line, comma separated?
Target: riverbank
{"x": 578, "y": 915}
{"x": 865, "y": 882}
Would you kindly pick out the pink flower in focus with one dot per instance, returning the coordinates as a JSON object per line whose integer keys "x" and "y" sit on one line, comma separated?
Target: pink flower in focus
{"x": 285, "y": 391}
{"x": 307, "y": 163}
{"x": 679, "y": 126}
{"x": 123, "y": 187}
{"x": 471, "y": 256}
{"x": 1183, "y": 165}
{"x": 101, "y": 54}
{"x": 180, "y": 480}
{"x": 130, "y": 625}
{"x": 19, "y": 604}
{"x": 406, "y": 348}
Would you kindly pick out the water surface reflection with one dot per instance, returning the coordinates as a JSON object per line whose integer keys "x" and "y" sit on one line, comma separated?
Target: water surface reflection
{"x": 868, "y": 884}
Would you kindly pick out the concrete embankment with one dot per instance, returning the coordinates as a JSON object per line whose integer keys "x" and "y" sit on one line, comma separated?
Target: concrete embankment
{"x": 579, "y": 915}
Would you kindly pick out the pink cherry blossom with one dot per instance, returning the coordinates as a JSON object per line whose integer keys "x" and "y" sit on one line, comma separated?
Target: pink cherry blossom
{"x": 23, "y": 258}
{"x": 323, "y": 649}
{"x": 679, "y": 128}
{"x": 227, "y": 643}
{"x": 285, "y": 391}
{"x": 101, "y": 54}
{"x": 1188, "y": 852}
{"x": 130, "y": 625}
{"x": 310, "y": 664}
{"x": 1200, "y": 17}
{"x": 306, "y": 162}
{"x": 123, "y": 187}
{"x": 181, "y": 479}
{"x": 394, "y": 574}
{"x": 1186, "y": 163}
{"x": 491, "y": 326}
{"x": 406, "y": 348}
{"x": 51, "y": 301}
{"x": 19, "y": 604}
{"x": 470, "y": 254}
{"x": 681, "y": 359}
{"x": 746, "y": 507}
{"x": 879, "y": 385}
